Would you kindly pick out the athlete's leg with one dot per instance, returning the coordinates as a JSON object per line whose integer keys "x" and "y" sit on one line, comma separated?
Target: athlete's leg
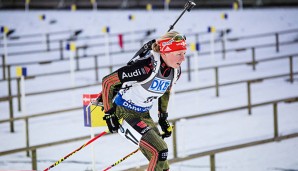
{"x": 151, "y": 144}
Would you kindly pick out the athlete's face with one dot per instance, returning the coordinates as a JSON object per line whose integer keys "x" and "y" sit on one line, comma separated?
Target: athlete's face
{"x": 174, "y": 59}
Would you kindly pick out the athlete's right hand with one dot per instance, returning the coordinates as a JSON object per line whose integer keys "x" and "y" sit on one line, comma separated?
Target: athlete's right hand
{"x": 111, "y": 120}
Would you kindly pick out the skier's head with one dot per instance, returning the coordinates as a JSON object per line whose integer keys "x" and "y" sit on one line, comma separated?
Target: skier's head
{"x": 172, "y": 48}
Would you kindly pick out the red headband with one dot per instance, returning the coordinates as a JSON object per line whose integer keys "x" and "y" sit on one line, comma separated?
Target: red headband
{"x": 170, "y": 45}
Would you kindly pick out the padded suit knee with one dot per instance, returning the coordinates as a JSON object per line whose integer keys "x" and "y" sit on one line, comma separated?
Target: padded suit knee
{"x": 155, "y": 150}
{"x": 163, "y": 155}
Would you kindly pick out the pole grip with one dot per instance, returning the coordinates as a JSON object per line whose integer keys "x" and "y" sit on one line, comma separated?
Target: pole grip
{"x": 187, "y": 7}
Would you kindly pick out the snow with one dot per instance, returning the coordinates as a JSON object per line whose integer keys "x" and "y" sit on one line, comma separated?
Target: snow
{"x": 196, "y": 135}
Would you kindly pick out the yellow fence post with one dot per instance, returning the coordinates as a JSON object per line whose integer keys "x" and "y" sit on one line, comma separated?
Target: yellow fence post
{"x": 253, "y": 59}
{"x": 96, "y": 68}
{"x": 291, "y": 69}
{"x": 248, "y": 97}
{"x": 275, "y": 119}
{"x": 19, "y": 93}
{"x": 277, "y": 42}
{"x": 48, "y": 41}
{"x": 61, "y": 49}
{"x": 3, "y": 67}
{"x": 34, "y": 159}
{"x": 27, "y": 135}
{"x": 223, "y": 44}
{"x": 175, "y": 140}
{"x": 10, "y": 99}
{"x": 77, "y": 58}
{"x": 216, "y": 81}
{"x": 212, "y": 162}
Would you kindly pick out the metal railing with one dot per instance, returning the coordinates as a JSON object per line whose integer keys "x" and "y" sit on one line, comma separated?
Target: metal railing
{"x": 276, "y": 136}
{"x": 216, "y": 85}
{"x": 223, "y": 51}
{"x": 211, "y": 153}
{"x": 61, "y": 42}
{"x": 34, "y": 35}
{"x": 214, "y": 152}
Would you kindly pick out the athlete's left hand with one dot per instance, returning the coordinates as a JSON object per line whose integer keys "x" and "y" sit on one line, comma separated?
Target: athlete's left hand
{"x": 165, "y": 125}
{"x": 98, "y": 100}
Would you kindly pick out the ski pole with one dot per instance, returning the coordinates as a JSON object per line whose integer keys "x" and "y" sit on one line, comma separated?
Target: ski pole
{"x": 96, "y": 103}
{"x": 121, "y": 160}
{"x": 70, "y": 154}
{"x": 147, "y": 46}
{"x": 188, "y": 6}
{"x": 124, "y": 158}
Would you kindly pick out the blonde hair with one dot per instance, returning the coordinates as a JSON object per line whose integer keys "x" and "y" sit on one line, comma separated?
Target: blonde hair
{"x": 168, "y": 35}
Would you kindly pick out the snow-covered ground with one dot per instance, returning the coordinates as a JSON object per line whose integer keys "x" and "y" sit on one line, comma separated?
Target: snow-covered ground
{"x": 195, "y": 135}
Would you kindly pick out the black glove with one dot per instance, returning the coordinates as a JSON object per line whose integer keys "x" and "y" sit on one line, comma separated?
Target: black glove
{"x": 165, "y": 125}
{"x": 112, "y": 120}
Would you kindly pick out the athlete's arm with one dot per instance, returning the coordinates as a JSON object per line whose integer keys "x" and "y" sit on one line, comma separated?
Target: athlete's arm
{"x": 164, "y": 99}
{"x": 163, "y": 102}
{"x": 138, "y": 71}
{"x": 110, "y": 84}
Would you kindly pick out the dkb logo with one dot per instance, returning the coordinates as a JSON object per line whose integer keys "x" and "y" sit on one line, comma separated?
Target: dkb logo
{"x": 159, "y": 85}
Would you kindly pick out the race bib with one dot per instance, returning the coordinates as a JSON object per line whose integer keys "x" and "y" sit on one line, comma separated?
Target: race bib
{"x": 159, "y": 85}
